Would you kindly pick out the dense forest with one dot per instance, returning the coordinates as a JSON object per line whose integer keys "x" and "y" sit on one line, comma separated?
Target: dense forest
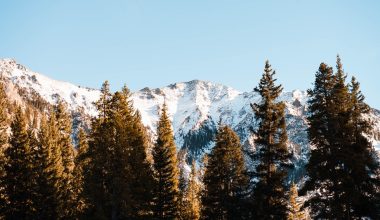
{"x": 115, "y": 170}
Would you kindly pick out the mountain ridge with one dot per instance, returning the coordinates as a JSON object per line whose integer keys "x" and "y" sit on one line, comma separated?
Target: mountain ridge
{"x": 195, "y": 108}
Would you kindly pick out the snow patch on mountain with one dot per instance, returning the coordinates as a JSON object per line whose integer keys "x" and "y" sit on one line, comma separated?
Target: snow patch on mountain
{"x": 195, "y": 108}
{"x": 50, "y": 90}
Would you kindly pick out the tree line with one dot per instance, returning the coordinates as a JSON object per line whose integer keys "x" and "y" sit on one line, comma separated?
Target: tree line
{"x": 116, "y": 172}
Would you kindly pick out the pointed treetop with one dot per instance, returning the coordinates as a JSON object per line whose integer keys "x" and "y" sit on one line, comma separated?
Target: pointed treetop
{"x": 267, "y": 87}
{"x": 126, "y": 91}
{"x": 341, "y": 77}
{"x": 105, "y": 87}
{"x": 164, "y": 110}
{"x": 338, "y": 62}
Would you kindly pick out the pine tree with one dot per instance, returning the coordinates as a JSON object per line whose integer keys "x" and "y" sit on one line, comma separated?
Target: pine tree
{"x": 272, "y": 153}
{"x": 97, "y": 179}
{"x": 3, "y": 119}
{"x": 117, "y": 149}
{"x": 64, "y": 125}
{"x": 103, "y": 104}
{"x": 50, "y": 194}
{"x": 141, "y": 183}
{"x": 342, "y": 165}
{"x": 295, "y": 212}
{"x": 190, "y": 201}
{"x": 19, "y": 179}
{"x": 364, "y": 197}
{"x": 63, "y": 120}
{"x": 339, "y": 142}
{"x": 320, "y": 104}
{"x": 166, "y": 194}
{"x": 82, "y": 161}
{"x": 225, "y": 179}
{"x": 183, "y": 177}
{"x": 3, "y": 145}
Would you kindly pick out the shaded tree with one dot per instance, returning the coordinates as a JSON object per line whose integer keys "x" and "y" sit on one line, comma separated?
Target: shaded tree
{"x": 295, "y": 207}
{"x": 272, "y": 152}
{"x": 225, "y": 179}
{"x": 19, "y": 180}
{"x": 166, "y": 194}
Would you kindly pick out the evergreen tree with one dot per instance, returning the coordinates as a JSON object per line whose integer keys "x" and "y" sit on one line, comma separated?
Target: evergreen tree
{"x": 117, "y": 149}
{"x": 342, "y": 165}
{"x": 103, "y": 104}
{"x": 64, "y": 125}
{"x": 140, "y": 184}
{"x": 272, "y": 152}
{"x": 3, "y": 118}
{"x": 166, "y": 194}
{"x": 19, "y": 179}
{"x": 3, "y": 145}
{"x": 225, "y": 179}
{"x": 50, "y": 194}
{"x": 97, "y": 179}
{"x": 295, "y": 212}
{"x": 81, "y": 167}
{"x": 183, "y": 177}
{"x": 363, "y": 199}
{"x": 319, "y": 167}
{"x": 190, "y": 201}
{"x": 120, "y": 122}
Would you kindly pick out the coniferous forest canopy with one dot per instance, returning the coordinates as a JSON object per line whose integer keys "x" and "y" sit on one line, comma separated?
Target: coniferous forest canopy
{"x": 116, "y": 170}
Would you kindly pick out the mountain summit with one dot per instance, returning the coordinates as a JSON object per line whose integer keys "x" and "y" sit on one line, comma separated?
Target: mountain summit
{"x": 195, "y": 108}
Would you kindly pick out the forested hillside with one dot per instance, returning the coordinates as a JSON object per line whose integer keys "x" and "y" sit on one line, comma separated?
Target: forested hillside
{"x": 194, "y": 150}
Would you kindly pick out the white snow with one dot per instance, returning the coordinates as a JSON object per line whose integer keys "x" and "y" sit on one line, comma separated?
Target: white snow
{"x": 50, "y": 89}
{"x": 190, "y": 104}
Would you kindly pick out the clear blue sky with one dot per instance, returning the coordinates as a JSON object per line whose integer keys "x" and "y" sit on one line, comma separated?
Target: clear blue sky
{"x": 157, "y": 42}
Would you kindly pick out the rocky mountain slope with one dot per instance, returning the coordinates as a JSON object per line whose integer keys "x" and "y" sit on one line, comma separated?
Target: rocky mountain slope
{"x": 196, "y": 108}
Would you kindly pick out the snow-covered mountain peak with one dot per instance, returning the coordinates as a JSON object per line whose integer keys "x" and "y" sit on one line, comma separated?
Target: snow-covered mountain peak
{"x": 195, "y": 107}
{"x": 189, "y": 103}
{"x": 49, "y": 89}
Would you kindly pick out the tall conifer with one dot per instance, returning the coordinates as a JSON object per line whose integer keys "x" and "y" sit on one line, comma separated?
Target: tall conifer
{"x": 51, "y": 170}
{"x": 117, "y": 149}
{"x": 191, "y": 204}
{"x": 225, "y": 179}
{"x": 342, "y": 166}
{"x": 320, "y": 163}
{"x": 141, "y": 183}
{"x": 80, "y": 171}
{"x": 97, "y": 179}
{"x": 19, "y": 179}
{"x": 64, "y": 126}
{"x": 166, "y": 194}
{"x": 272, "y": 152}
{"x": 3, "y": 145}
{"x": 295, "y": 212}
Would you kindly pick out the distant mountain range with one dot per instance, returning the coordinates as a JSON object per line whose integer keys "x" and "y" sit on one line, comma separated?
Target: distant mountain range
{"x": 195, "y": 108}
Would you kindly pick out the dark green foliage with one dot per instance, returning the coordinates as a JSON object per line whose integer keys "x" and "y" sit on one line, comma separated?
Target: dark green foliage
{"x": 50, "y": 192}
{"x": 225, "y": 179}
{"x": 196, "y": 141}
{"x": 113, "y": 175}
{"x": 64, "y": 140}
{"x": 190, "y": 197}
{"x": 141, "y": 182}
{"x": 3, "y": 144}
{"x": 19, "y": 180}
{"x": 3, "y": 118}
{"x": 342, "y": 165}
{"x": 119, "y": 180}
{"x": 272, "y": 152}
{"x": 97, "y": 185}
{"x": 166, "y": 194}
{"x": 82, "y": 161}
